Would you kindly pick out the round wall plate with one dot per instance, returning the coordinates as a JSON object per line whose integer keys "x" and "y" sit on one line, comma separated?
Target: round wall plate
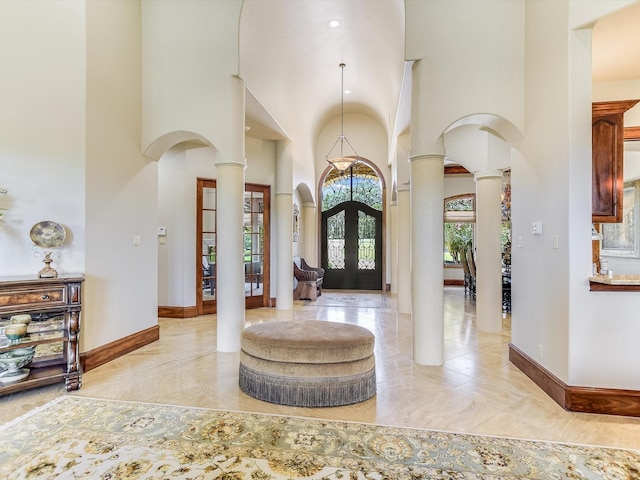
{"x": 48, "y": 234}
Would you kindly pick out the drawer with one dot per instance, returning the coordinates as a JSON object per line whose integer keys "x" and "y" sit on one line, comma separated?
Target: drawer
{"x": 40, "y": 297}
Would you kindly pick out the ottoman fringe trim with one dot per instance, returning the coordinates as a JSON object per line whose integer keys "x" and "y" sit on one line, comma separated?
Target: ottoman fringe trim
{"x": 308, "y": 392}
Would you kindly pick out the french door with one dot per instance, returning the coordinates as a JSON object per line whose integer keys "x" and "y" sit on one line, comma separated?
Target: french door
{"x": 352, "y": 247}
{"x": 255, "y": 246}
{"x": 206, "y": 226}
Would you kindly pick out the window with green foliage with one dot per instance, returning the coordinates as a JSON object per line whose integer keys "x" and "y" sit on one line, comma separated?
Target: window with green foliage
{"x": 359, "y": 183}
{"x": 459, "y": 223}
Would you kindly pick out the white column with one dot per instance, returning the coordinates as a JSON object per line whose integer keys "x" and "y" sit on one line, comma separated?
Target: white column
{"x": 284, "y": 225}
{"x": 393, "y": 229}
{"x": 488, "y": 251}
{"x": 427, "y": 273}
{"x": 230, "y": 166}
{"x": 404, "y": 250}
{"x": 310, "y": 237}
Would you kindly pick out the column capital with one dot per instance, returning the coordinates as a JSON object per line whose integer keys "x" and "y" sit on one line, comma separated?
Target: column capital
{"x": 230, "y": 163}
{"x": 488, "y": 174}
{"x": 427, "y": 156}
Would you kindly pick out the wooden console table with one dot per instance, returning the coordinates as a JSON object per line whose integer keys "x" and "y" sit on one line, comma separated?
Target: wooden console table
{"x": 54, "y": 305}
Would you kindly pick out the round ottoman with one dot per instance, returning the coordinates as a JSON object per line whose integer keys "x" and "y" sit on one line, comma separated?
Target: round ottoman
{"x": 308, "y": 363}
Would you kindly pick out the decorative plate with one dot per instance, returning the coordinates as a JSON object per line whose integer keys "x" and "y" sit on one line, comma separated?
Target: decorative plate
{"x": 48, "y": 234}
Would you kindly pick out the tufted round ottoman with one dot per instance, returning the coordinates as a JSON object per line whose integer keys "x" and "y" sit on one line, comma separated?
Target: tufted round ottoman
{"x": 308, "y": 363}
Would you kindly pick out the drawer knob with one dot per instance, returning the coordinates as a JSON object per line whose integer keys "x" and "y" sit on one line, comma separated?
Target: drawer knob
{"x": 45, "y": 297}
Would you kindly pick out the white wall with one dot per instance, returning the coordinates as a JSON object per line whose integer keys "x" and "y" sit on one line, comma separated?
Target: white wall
{"x": 470, "y": 55}
{"x": 121, "y": 185}
{"x": 190, "y": 53}
{"x": 42, "y": 130}
{"x": 177, "y": 213}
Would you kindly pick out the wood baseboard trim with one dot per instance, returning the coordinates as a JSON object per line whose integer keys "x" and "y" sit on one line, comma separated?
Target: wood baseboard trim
{"x": 608, "y": 401}
{"x": 453, "y": 281}
{"x": 177, "y": 312}
{"x": 104, "y": 354}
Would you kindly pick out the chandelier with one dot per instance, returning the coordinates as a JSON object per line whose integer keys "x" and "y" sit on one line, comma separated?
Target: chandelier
{"x": 341, "y": 162}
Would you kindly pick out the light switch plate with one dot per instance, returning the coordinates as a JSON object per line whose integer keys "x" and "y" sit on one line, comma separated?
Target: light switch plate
{"x": 536, "y": 228}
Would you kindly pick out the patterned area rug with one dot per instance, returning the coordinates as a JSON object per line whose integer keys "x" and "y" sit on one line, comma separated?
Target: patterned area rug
{"x": 349, "y": 298}
{"x": 81, "y": 438}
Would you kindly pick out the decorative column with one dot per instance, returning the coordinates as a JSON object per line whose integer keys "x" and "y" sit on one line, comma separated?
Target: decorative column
{"x": 488, "y": 251}
{"x": 393, "y": 220}
{"x": 310, "y": 235}
{"x": 427, "y": 246}
{"x": 230, "y": 166}
{"x": 284, "y": 226}
{"x": 404, "y": 249}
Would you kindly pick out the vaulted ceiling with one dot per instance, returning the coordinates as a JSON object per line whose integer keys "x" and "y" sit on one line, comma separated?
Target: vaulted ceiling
{"x": 290, "y": 56}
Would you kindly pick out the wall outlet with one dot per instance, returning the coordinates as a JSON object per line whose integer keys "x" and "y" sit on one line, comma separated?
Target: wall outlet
{"x": 540, "y": 350}
{"x": 136, "y": 240}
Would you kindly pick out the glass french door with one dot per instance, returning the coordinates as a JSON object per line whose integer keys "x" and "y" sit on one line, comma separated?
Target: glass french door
{"x": 206, "y": 224}
{"x": 255, "y": 252}
{"x": 256, "y": 245}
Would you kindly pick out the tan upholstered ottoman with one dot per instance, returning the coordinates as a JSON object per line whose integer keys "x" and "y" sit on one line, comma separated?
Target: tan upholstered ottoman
{"x": 308, "y": 363}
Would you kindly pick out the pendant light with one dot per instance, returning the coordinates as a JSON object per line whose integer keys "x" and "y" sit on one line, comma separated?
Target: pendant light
{"x": 341, "y": 162}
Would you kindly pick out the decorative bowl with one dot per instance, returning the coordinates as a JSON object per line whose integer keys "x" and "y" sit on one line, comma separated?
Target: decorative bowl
{"x": 24, "y": 318}
{"x": 13, "y": 360}
{"x": 15, "y": 331}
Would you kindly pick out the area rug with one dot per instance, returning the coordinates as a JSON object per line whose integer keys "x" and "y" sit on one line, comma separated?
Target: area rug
{"x": 80, "y": 438}
{"x": 350, "y": 298}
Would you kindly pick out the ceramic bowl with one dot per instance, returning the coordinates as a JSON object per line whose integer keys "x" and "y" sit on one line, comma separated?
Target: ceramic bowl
{"x": 24, "y": 318}
{"x": 15, "y": 331}
{"x": 14, "y": 360}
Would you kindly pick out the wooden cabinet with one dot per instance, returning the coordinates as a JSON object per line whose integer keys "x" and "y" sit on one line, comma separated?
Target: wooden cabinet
{"x": 54, "y": 305}
{"x": 607, "y": 161}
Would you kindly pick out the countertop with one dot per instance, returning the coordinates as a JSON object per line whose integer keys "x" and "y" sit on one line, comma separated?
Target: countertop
{"x": 616, "y": 279}
{"x": 616, "y": 283}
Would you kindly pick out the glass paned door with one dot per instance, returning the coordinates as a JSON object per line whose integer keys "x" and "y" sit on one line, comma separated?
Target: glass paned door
{"x": 255, "y": 249}
{"x": 256, "y": 241}
{"x": 206, "y": 247}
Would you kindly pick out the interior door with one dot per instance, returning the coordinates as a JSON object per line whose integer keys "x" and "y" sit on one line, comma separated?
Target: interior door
{"x": 206, "y": 247}
{"x": 352, "y": 247}
{"x": 256, "y": 245}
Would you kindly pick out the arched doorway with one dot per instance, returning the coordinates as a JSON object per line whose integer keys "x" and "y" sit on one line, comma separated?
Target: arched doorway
{"x": 351, "y": 228}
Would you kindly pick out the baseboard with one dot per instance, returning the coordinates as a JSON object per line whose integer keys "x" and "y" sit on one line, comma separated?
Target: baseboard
{"x": 607, "y": 401}
{"x": 177, "y": 312}
{"x": 104, "y": 354}
{"x": 453, "y": 281}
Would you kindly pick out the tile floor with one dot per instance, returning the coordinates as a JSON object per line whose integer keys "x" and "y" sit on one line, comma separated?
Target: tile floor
{"x": 476, "y": 391}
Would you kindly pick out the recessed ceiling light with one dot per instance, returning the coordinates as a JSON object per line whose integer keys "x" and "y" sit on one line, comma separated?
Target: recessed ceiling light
{"x": 334, "y": 24}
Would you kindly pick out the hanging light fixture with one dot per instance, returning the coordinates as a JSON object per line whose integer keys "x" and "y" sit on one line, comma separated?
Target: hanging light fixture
{"x": 341, "y": 163}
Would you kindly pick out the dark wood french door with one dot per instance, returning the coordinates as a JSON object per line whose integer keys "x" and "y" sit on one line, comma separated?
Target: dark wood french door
{"x": 352, "y": 247}
{"x": 255, "y": 252}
